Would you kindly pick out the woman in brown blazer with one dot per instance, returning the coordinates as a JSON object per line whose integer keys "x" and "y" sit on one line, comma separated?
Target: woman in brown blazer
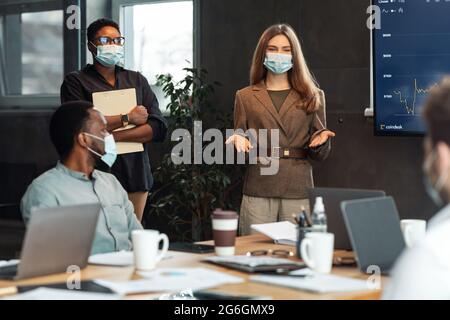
{"x": 283, "y": 95}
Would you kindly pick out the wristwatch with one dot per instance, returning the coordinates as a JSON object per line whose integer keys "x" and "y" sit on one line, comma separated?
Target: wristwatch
{"x": 125, "y": 120}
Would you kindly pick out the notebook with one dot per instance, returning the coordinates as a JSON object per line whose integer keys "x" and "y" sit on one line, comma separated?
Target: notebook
{"x": 284, "y": 232}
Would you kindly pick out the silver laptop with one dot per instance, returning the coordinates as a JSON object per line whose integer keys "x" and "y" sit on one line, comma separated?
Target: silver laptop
{"x": 374, "y": 229}
{"x": 56, "y": 238}
{"x": 332, "y": 198}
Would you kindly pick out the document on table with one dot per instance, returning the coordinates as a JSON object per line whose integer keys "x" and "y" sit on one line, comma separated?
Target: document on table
{"x": 61, "y": 294}
{"x": 314, "y": 282}
{"x": 118, "y": 259}
{"x": 284, "y": 232}
{"x": 171, "y": 280}
{"x": 117, "y": 102}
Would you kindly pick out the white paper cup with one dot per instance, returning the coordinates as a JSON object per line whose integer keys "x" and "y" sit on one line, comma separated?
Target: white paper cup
{"x": 224, "y": 225}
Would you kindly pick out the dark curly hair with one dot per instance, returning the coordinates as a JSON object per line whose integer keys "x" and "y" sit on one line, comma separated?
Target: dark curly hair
{"x": 436, "y": 112}
{"x": 68, "y": 121}
{"x": 95, "y": 26}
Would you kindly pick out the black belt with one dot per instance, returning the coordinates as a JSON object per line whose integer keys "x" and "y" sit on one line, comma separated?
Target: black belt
{"x": 287, "y": 153}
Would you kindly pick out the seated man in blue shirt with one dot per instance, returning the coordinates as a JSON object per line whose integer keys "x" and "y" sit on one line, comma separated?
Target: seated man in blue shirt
{"x": 80, "y": 136}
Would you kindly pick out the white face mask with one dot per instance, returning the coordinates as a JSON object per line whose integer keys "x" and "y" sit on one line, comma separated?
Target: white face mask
{"x": 111, "y": 55}
{"x": 278, "y": 63}
{"x": 434, "y": 191}
{"x": 110, "y": 155}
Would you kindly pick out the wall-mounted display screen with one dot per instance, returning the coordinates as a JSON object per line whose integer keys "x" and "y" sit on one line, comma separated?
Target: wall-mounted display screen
{"x": 411, "y": 53}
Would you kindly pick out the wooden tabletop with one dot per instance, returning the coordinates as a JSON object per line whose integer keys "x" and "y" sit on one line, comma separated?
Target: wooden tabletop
{"x": 243, "y": 245}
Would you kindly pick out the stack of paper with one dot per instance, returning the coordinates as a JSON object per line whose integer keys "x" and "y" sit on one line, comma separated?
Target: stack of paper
{"x": 60, "y": 294}
{"x": 284, "y": 232}
{"x": 171, "y": 280}
{"x": 9, "y": 263}
{"x": 314, "y": 282}
{"x": 118, "y": 259}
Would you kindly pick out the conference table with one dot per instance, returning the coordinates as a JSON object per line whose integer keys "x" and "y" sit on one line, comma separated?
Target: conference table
{"x": 187, "y": 260}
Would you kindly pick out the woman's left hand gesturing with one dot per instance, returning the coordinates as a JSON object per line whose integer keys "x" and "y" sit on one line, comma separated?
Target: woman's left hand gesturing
{"x": 321, "y": 138}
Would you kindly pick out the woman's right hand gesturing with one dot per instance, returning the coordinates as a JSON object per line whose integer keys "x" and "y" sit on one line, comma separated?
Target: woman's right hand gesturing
{"x": 241, "y": 143}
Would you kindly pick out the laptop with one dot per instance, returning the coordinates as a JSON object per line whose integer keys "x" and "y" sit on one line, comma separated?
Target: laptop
{"x": 332, "y": 198}
{"x": 56, "y": 238}
{"x": 375, "y": 234}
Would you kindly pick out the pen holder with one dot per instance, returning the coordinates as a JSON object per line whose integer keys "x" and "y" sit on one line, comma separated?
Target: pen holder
{"x": 301, "y": 231}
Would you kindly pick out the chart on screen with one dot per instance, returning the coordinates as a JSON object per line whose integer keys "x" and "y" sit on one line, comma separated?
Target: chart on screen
{"x": 411, "y": 54}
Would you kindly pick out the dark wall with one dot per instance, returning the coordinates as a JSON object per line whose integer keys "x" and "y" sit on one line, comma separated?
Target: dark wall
{"x": 25, "y": 142}
{"x": 336, "y": 43}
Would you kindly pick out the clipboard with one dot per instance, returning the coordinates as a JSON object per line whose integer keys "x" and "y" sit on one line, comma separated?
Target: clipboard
{"x": 116, "y": 102}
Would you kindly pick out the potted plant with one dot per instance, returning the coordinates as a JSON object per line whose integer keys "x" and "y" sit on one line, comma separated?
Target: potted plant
{"x": 187, "y": 194}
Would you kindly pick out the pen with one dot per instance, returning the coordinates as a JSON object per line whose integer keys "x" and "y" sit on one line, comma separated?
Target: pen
{"x": 302, "y": 220}
{"x": 290, "y": 275}
{"x": 286, "y": 274}
{"x": 307, "y": 216}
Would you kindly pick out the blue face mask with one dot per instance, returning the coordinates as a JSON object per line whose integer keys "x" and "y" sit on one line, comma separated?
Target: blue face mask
{"x": 278, "y": 63}
{"x": 434, "y": 191}
{"x": 110, "y": 155}
{"x": 111, "y": 55}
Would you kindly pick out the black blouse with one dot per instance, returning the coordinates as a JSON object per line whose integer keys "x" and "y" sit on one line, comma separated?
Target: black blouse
{"x": 131, "y": 169}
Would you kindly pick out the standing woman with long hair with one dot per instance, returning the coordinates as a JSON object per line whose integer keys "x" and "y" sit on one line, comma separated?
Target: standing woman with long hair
{"x": 282, "y": 95}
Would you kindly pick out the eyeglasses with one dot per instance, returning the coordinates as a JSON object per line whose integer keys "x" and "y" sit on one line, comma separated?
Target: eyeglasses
{"x": 344, "y": 261}
{"x": 276, "y": 253}
{"x": 108, "y": 40}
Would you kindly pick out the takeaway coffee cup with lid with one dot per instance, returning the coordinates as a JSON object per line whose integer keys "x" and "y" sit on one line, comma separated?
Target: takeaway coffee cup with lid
{"x": 224, "y": 225}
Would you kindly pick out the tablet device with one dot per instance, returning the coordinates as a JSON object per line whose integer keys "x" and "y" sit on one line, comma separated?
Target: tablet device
{"x": 191, "y": 247}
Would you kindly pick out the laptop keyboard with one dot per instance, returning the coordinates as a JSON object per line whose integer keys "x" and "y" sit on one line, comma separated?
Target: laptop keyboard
{"x": 9, "y": 271}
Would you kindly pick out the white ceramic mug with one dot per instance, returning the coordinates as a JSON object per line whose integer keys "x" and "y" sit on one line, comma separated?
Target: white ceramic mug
{"x": 145, "y": 248}
{"x": 413, "y": 231}
{"x": 317, "y": 251}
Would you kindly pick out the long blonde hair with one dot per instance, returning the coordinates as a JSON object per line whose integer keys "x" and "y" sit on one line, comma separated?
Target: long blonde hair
{"x": 300, "y": 78}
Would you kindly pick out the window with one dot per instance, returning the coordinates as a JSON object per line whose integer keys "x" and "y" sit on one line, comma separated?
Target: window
{"x": 36, "y": 51}
{"x": 32, "y": 52}
{"x": 42, "y": 40}
{"x": 159, "y": 39}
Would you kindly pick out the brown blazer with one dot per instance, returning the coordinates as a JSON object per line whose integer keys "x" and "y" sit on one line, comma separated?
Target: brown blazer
{"x": 254, "y": 109}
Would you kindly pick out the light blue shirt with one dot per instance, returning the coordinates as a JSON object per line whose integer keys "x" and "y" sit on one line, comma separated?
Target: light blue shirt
{"x": 61, "y": 186}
